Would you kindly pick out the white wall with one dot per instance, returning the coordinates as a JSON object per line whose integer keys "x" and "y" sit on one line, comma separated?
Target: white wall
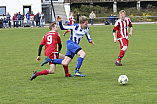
{"x": 67, "y": 9}
{"x": 13, "y": 6}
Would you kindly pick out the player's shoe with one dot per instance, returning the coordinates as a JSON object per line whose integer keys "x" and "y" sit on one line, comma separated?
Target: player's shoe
{"x": 46, "y": 60}
{"x": 79, "y": 74}
{"x": 64, "y": 34}
{"x": 118, "y": 63}
{"x": 33, "y": 76}
{"x": 69, "y": 75}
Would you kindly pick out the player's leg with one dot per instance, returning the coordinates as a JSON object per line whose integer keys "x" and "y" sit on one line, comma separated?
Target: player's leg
{"x": 73, "y": 49}
{"x": 80, "y": 59}
{"x": 52, "y": 68}
{"x": 66, "y": 69}
{"x": 66, "y": 32}
{"x": 44, "y": 72}
{"x": 123, "y": 46}
{"x": 35, "y": 73}
{"x": 64, "y": 61}
{"x": 68, "y": 57}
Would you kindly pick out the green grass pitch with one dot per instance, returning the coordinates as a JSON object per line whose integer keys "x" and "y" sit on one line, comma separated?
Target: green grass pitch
{"x": 18, "y": 52}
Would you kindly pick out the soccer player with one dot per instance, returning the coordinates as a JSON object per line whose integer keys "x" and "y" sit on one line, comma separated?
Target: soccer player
{"x": 72, "y": 20}
{"x": 122, "y": 25}
{"x": 77, "y": 33}
{"x": 50, "y": 40}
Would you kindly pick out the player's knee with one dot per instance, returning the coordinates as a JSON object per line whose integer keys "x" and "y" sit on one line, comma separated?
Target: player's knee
{"x": 65, "y": 63}
{"x": 51, "y": 72}
{"x": 83, "y": 54}
{"x": 125, "y": 48}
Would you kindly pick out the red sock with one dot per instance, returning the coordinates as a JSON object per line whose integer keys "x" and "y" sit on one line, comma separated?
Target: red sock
{"x": 66, "y": 70}
{"x": 44, "y": 72}
{"x": 121, "y": 55}
{"x": 67, "y": 31}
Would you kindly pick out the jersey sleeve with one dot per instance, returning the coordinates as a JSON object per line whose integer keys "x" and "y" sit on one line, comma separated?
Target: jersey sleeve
{"x": 59, "y": 39}
{"x": 130, "y": 24}
{"x": 63, "y": 27}
{"x": 116, "y": 26}
{"x": 88, "y": 35}
{"x": 43, "y": 42}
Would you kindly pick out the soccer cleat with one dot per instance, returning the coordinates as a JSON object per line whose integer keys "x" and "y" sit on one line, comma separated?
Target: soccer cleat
{"x": 69, "y": 75}
{"x": 46, "y": 60}
{"x": 34, "y": 75}
{"x": 79, "y": 74}
{"x": 64, "y": 34}
{"x": 118, "y": 63}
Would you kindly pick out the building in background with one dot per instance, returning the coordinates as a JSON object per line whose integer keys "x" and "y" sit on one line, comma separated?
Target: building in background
{"x": 59, "y": 8}
{"x": 55, "y": 8}
{"x": 22, "y": 6}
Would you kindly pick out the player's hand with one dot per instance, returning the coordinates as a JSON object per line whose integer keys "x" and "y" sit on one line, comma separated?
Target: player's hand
{"x": 91, "y": 42}
{"x": 38, "y": 58}
{"x": 59, "y": 19}
{"x": 115, "y": 40}
{"x": 130, "y": 34}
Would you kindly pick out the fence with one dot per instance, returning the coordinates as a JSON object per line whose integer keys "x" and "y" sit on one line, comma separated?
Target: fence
{"x": 96, "y": 1}
{"x": 22, "y": 23}
{"x": 152, "y": 19}
{"x": 100, "y": 20}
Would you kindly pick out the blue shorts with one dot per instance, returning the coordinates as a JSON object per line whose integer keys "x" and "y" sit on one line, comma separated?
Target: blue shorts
{"x": 72, "y": 48}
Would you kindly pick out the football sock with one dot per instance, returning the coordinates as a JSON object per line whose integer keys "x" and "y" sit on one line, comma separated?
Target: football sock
{"x": 79, "y": 62}
{"x": 121, "y": 55}
{"x": 66, "y": 70}
{"x": 44, "y": 72}
{"x": 57, "y": 61}
{"x": 67, "y": 31}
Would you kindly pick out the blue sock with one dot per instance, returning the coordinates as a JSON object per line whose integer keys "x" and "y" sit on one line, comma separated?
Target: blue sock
{"x": 57, "y": 61}
{"x": 79, "y": 62}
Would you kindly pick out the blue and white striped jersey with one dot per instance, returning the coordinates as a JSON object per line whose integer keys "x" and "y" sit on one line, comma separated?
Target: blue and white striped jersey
{"x": 77, "y": 32}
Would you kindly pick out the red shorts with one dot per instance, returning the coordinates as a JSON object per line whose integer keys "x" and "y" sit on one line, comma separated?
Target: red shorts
{"x": 54, "y": 55}
{"x": 123, "y": 42}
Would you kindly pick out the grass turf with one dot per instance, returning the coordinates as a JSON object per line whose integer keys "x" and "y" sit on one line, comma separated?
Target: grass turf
{"x": 18, "y": 52}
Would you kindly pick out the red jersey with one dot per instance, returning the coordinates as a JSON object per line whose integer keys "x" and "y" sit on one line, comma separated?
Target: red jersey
{"x": 50, "y": 40}
{"x": 122, "y": 27}
{"x": 71, "y": 19}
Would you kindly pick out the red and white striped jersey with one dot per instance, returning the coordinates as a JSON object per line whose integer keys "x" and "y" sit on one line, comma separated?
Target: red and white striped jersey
{"x": 71, "y": 19}
{"x": 122, "y": 27}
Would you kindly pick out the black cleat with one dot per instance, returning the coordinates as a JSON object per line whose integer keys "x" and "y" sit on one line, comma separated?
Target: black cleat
{"x": 34, "y": 75}
{"x": 69, "y": 75}
{"x": 64, "y": 34}
{"x": 118, "y": 63}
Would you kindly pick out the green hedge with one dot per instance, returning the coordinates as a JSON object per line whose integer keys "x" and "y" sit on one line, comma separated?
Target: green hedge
{"x": 85, "y": 10}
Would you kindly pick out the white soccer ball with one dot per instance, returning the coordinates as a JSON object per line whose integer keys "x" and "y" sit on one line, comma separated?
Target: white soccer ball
{"x": 123, "y": 79}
